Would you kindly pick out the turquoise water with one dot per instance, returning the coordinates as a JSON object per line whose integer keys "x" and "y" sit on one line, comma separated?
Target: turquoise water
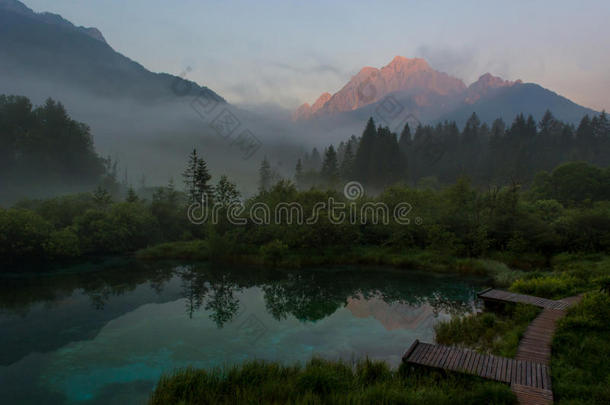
{"x": 104, "y": 336}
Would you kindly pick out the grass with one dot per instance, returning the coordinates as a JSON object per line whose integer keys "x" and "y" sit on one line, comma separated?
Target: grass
{"x": 488, "y": 332}
{"x": 324, "y": 382}
{"x": 570, "y": 275}
{"x": 579, "y": 366}
{"x": 581, "y": 349}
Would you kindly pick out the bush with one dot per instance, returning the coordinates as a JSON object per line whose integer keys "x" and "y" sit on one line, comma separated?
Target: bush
{"x": 554, "y": 286}
{"x": 23, "y": 235}
{"x": 63, "y": 244}
{"x": 126, "y": 227}
{"x": 274, "y": 252}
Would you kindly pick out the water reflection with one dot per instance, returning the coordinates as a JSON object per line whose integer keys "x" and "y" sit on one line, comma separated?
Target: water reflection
{"x": 78, "y": 333}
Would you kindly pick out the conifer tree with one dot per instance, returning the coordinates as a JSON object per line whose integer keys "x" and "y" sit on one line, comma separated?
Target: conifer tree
{"x": 347, "y": 164}
{"x": 298, "y": 173}
{"x": 189, "y": 176}
{"x": 201, "y": 180}
{"x": 330, "y": 169}
{"x": 265, "y": 176}
{"x": 225, "y": 192}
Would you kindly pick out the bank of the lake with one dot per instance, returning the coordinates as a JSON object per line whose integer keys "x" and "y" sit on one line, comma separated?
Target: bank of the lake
{"x": 580, "y": 348}
{"x": 501, "y": 268}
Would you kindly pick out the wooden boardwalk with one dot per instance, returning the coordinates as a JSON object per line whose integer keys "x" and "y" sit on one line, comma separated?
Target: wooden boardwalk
{"x": 492, "y": 295}
{"x": 512, "y": 371}
{"x": 528, "y": 373}
{"x": 535, "y": 344}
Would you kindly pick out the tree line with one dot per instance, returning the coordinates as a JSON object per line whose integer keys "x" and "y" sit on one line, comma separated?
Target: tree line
{"x": 441, "y": 153}
{"x": 43, "y": 149}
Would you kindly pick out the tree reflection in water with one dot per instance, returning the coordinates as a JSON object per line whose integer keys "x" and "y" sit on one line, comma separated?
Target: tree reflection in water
{"x": 308, "y": 295}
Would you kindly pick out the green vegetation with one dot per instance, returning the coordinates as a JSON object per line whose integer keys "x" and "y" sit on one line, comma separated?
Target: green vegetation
{"x": 581, "y": 348}
{"x": 499, "y": 232}
{"x": 440, "y": 154}
{"x": 42, "y": 150}
{"x": 324, "y": 382}
{"x": 571, "y": 275}
{"x": 488, "y": 332}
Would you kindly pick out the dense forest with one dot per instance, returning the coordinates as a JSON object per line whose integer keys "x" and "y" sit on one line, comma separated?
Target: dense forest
{"x": 43, "y": 150}
{"x": 463, "y": 211}
{"x": 440, "y": 154}
{"x": 565, "y": 210}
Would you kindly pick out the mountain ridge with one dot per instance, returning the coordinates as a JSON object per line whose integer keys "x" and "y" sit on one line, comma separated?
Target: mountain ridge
{"x": 44, "y": 47}
{"x": 431, "y": 95}
{"x": 50, "y": 18}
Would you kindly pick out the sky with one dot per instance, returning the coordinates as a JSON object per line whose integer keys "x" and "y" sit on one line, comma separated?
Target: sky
{"x": 285, "y": 53}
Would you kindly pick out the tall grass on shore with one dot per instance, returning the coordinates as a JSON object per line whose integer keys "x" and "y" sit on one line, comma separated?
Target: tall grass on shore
{"x": 488, "y": 332}
{"x": 324, "y": 382}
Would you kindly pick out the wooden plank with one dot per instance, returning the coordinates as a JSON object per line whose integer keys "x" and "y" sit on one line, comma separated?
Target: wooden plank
{"x": 406, "y": 355}
{"x": 482, "y": 365}
{"x": 495, "y": 368}
{"x": 513, "y": 373}
{"x": 430, "y": 354}
{"x": 489, "y": 367}
{"x": 437, "y": 354}
{"x": 501, "y": 369}
{"x": 423, "y": 354}
{"x": 509, "y": 369}
{"x": 417, "y": 353}
{"x": 545, "y": 379}
{"x": 457, "y": 364}
{"x": 422, "y": 359}
{"x": 443, "y": 357}
{"x": 462, "y": 360}
{"x": 449, "y": 357}
{"x": 473, "y": 364}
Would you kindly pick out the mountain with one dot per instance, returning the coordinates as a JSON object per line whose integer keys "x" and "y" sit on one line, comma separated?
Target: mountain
{"x": 506, "y": 102}
{"x": 430, "y": 96}
{"x": 46, "y": 48}
{"x": 148, "y": 122}
{"x": 410, "y": 76}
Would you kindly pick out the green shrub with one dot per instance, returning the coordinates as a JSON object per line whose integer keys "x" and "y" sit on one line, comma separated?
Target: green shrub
{"x": 63, "y": 244}
{"x": 554, "y": 286}
{"x": 274, "y": 252}
{"x": 191, "y": 250}
{"x": 23, "y": 235}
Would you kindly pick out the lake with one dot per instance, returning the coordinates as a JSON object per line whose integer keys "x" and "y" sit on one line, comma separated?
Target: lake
{"x": 104, "y": 333}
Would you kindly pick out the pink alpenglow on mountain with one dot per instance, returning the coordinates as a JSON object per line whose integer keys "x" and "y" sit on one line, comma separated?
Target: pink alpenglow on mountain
{"x": 305, "y": 111}
{"x": 411, "y": 75}
{"x": 484, "y": 85}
